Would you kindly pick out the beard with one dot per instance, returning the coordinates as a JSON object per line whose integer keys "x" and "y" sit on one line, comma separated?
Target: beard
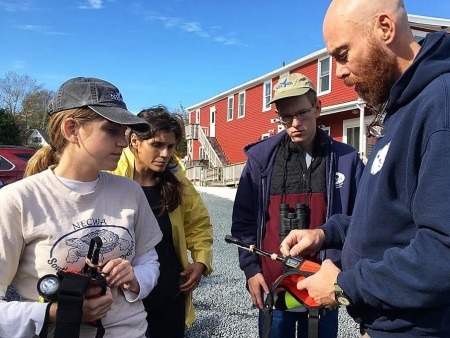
{"x": 379, "y": 72}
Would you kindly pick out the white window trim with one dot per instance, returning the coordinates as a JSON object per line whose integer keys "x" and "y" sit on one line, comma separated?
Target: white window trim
{"x": 230, "y": 118}
{"x": 352, "y": 123}
{"x": 269, "y": 106}
{"x": 240, "y": 116}
{"x": 212, "y": 110}
{"x": 265, "y": 135}
{"x": 319, "y": 92}
{"x": 197, "y": 116}
{"x": 202, "y": 153}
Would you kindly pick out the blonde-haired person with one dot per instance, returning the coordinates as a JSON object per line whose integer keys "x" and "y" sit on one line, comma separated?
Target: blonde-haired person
{"x": 182, "y": 216}
{"x": 47, "y": 219}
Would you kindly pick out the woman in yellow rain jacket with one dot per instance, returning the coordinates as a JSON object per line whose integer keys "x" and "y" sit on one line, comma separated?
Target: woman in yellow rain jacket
{"x": 181, "y": 214}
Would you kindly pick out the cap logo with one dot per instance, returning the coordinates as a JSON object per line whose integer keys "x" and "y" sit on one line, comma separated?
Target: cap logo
{"x": 283, "y": 84}
{"x": 116, "y": 96}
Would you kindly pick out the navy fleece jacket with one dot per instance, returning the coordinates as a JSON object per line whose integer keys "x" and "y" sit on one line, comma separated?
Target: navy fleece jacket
{"x": 396, "y": 253}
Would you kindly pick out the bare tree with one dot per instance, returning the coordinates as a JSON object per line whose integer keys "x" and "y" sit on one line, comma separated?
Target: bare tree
{"x": 14, "y": 88}
{"x": 34, "y": 109}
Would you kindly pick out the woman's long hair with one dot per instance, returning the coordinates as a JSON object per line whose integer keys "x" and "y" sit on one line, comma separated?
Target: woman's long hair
{"x": 160, "y": 119}
{"x": 51, "y": 154}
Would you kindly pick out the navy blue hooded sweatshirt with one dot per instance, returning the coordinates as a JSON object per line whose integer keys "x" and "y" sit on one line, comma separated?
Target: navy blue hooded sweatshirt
{"x": 252, "y": 197}
{"x": 396, "y": 254}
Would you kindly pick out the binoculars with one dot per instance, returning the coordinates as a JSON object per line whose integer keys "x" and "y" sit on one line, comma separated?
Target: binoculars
{"x": 292, "y": 220}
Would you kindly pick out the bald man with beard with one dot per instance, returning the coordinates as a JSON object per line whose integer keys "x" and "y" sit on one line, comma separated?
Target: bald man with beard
{"x": 396, "y": 245}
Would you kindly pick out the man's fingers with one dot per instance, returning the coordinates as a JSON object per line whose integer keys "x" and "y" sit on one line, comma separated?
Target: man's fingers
{"x": 301, "y": 285}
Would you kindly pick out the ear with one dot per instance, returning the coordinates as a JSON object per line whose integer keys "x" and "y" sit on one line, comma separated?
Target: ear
{"x": 134, "y": 141}
{"x": 69, "y": 128}
{"x": 319, "y": 108}
{"x": 385, "y": 28}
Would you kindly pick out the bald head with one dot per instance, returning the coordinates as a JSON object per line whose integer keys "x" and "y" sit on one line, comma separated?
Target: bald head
{"x": 370, "y": 40}
{"x": 364, "y": 12}
{"x": 349, "y": 23}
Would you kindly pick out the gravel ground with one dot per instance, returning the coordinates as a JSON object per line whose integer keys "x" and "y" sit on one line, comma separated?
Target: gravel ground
{"x": 222, "y": 303}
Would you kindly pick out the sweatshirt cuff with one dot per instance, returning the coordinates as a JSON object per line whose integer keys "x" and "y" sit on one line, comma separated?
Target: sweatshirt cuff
{"x": 252, "y": 270}
{"x": 37, "y": 315}
{"x": 334, "y": 235}
{"x": 347, "y": 281}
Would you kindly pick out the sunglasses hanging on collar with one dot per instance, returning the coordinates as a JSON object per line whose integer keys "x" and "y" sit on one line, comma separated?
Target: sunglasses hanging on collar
{"x": 376, "y": 127}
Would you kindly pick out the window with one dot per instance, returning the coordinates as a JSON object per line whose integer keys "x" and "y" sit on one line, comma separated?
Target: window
{"x": 324, "y": 78}
{"x": 241, "y": 105}
{"x": 352, "y": 132}
{"x": 230, "y": 108}
{"x": 267, "y": 95}
{"x": 353, "y": 137}
{"x": 197, "y": 116}
{"x": 5, "y": 164}
{"x": 202, "y": 153}
{"x": 264, "y": 136}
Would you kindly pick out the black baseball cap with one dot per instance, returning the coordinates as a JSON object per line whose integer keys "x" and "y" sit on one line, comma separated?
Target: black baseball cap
{"x": 101, "y": 96}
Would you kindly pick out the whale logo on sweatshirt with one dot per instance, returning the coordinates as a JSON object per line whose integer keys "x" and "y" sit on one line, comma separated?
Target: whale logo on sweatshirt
{"x": 378, "y": 161}
{"x": 339, "y": 179}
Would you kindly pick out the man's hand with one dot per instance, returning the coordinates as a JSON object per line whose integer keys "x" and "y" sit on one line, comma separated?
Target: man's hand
{"x": 302, "y": 242}
{"x": 320, "y": 286}
{"x": 255, "y": 284}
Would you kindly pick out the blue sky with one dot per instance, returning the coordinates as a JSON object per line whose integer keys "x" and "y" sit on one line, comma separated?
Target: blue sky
{"x": 164, "y": 51}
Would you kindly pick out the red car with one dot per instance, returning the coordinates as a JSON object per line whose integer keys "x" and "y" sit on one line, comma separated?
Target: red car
{"x": 13, "y": 160}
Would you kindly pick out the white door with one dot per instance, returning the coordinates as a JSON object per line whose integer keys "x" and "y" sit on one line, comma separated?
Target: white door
{"x": 212, "y": 122}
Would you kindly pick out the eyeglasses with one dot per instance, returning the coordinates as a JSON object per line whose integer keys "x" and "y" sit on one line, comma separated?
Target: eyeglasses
{"x": 300, "y": 115}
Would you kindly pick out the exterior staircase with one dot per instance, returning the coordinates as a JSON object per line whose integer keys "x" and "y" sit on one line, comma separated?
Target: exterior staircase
{"x": 218, "y": 150}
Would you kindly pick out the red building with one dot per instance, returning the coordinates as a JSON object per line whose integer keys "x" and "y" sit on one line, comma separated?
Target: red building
{"x": 221, "y": 126}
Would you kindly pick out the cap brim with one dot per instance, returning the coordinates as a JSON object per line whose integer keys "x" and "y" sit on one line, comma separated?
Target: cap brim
{"x": 290, "y": 93}
{"x": 121, "y": 116}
